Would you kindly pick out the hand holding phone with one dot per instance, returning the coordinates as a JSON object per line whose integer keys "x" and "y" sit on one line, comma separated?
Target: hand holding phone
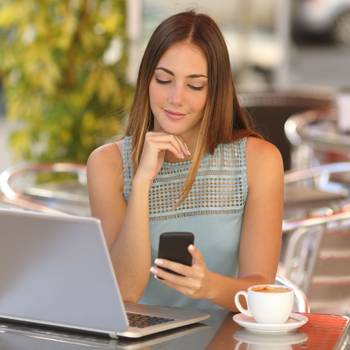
{"x": 174, "y": 246}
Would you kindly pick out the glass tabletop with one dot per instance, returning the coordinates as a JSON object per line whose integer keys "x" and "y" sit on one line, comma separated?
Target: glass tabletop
{"x": 219, "y": 332}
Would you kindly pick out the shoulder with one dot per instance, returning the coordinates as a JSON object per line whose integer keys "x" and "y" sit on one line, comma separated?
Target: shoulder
{"x": 260, "y": 151}
{"x": 108, "y": 156}
{"x": 263, "y": 158}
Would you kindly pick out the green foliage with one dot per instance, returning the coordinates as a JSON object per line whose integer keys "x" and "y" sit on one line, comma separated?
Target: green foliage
{"x": 63, "y": 66}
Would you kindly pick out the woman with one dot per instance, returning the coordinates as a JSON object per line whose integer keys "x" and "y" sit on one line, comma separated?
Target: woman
{"x": 190, "y": 161}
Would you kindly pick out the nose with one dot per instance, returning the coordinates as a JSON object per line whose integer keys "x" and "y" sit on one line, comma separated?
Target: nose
{"x": 176, "y": 94}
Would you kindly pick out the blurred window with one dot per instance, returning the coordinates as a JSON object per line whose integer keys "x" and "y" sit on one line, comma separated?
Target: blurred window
{"x": 249, "y": 28}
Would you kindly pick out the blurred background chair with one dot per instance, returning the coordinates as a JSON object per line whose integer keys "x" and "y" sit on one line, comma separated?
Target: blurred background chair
{"x": 316, "y": 139}
{"x": 317, "y": 259}
{"x": 58, "y": 188}
{"x": 301, "y": 303}
{"x": 271, "y": 109}
{"x": 316, "y": 240}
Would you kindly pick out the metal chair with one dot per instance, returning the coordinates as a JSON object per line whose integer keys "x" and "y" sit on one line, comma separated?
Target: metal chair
{"x": 301, "y": 303}
{"x": 317, "y": 259}
{"x": 20, "y": 188}
{"x": 316, "y": 246}
{"x": 315, "y": 138}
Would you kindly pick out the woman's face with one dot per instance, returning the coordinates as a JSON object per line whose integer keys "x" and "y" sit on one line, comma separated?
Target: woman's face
{"x": 178, "y": 90}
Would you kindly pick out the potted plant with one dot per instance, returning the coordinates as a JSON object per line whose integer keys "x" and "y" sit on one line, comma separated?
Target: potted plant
{"x": 63, "y": 70}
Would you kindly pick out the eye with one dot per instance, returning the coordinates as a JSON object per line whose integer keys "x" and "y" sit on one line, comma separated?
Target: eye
{"x": 162, "y": 81}
{"x": 197, "y": 88}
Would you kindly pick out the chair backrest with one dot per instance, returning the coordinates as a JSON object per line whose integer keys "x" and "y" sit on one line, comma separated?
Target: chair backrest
{"x": 330, "y": 282}
{"x": 317, "y": 259}
{"x": 316, "y": 254}
{"x": 301, "y": 303}
{"x": 315, "y": 138}
{"x": 19, "y": 187}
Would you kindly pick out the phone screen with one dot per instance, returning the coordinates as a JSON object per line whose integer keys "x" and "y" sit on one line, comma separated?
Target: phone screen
{"x": 173, "y": 246}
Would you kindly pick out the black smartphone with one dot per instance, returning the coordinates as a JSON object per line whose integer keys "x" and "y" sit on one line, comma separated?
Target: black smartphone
{"x": 173, "y": 246}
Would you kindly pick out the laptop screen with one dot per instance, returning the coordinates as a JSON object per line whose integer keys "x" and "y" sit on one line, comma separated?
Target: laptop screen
{"x": 56, "y": 270}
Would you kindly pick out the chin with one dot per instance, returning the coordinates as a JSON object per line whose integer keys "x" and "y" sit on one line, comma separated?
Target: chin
{"x": 173, "y": 130}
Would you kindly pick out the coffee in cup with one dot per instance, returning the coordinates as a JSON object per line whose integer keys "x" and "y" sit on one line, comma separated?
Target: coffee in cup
{"x": 267, "y": 303}
{"x": 270, "y": 289}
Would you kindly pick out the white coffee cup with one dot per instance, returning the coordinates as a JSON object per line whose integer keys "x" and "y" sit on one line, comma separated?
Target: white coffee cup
{"x": 267, "y": 303}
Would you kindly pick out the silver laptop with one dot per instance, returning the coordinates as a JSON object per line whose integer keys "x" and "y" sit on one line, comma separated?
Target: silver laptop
{"x": 56, "y": 271}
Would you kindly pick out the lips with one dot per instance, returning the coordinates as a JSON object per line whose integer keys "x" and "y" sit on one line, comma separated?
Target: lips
{"x": 174, "y": 115}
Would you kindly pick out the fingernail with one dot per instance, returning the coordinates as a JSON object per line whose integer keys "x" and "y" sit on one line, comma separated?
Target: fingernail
{"x": 158, "y": 261}
{"x": 153, "y": 270}
{"x": 191, "y": 247}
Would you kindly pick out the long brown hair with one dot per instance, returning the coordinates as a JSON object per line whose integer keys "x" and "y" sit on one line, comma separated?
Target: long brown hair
{"x": 223, "y": 121}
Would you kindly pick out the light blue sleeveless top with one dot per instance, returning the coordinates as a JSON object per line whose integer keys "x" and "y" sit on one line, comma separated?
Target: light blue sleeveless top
{"x": 213, "y": 211}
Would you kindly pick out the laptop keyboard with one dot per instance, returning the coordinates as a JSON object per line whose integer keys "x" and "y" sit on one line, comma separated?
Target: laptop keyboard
{"x": 142, "y": 321}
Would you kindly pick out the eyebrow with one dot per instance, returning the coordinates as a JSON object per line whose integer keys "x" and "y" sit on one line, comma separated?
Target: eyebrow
{"x": 189, "y": 76}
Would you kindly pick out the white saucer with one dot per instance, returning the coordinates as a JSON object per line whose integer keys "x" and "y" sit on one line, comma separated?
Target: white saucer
{"x": 295, "y": 321}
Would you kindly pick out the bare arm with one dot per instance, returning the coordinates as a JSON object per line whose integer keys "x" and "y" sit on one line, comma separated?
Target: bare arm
{"x": 126, "y": 225}
{"x": 260, "y": 237}
{"x": 126, "y": 238}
